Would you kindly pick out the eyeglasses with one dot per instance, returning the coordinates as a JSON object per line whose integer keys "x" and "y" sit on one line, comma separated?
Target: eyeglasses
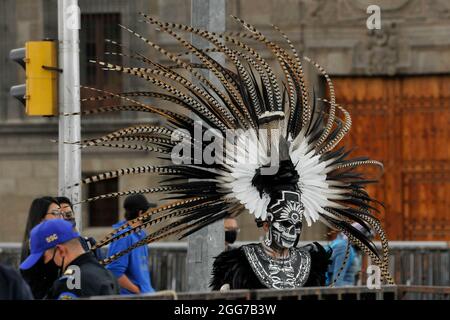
{"x": 67, "y": 214}
{"x": 55, "y": 213}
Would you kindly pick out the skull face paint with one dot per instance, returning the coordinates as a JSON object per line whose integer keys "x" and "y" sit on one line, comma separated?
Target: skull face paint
{"x": 287, "y": 214}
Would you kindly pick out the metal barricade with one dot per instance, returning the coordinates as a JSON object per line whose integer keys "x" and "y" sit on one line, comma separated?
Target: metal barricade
{"x": 317, "y": 293}
{"x": 412, "y": 263}
{"x": 314, "y": 293}
{"x": 423, "y": 293}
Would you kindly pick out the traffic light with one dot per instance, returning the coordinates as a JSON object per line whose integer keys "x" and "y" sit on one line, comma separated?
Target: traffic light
{"x": 39, "y": 93}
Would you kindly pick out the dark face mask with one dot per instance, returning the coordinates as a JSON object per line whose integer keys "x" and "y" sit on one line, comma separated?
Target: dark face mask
{"x": 51, "y": 268}
{"x": 230, "y": 236}
{"x": 72, "y": 221}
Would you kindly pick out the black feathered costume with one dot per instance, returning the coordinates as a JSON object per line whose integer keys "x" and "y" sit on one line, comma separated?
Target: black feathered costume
{"x": 316, "y": 181}
{"x": 234, "y": 267}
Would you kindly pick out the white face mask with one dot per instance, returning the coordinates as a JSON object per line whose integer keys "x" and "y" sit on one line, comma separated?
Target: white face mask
{"x": 286, "y": 223}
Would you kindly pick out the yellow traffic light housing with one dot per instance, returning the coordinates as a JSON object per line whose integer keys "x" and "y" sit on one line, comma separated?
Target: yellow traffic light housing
{"x": 41, "y": 95}
{"x": 40, "y": 63}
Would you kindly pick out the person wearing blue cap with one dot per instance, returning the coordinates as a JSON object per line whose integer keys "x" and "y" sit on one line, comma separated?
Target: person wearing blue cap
{"x": 81, "y": 275}
{"x": 41, "y": 276}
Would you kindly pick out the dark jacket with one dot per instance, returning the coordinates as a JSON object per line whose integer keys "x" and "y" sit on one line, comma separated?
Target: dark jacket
{"x": 12, "y": 286}
{"x": 40, "y": 278}
{"x": 94, "y": 280}
{"x": 232, "y": 267}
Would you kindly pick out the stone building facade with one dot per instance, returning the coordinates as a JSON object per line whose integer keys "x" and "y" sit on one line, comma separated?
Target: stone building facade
{"x": 414, "y": 40}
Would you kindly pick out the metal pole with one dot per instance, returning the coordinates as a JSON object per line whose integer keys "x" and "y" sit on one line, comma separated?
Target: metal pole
{"x": 69, "y": 155}
{"x": 207, "y": 243}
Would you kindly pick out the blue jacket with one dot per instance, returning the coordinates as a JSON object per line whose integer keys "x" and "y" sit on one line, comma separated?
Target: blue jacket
{"x": 350, "y": 270}
{"x": 134, "y": 264}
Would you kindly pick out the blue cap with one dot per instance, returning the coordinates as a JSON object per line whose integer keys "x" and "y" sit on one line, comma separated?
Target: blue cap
{"x": 47, "y": 235}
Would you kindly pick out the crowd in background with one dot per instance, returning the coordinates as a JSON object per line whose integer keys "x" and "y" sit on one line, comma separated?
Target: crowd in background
{"x": 54, "y": 255}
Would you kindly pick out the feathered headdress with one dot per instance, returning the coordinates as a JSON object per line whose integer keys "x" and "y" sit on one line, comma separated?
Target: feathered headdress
{"x": 246, "y": 95}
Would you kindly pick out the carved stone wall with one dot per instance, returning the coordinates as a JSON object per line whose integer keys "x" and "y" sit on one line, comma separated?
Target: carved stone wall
{"x": 413, "y": 39}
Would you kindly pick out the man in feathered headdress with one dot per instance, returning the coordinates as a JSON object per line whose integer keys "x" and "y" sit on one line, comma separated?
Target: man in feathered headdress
{"x": 309, "y": 181}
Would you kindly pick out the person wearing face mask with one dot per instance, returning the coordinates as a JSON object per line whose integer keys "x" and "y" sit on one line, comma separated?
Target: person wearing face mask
{"x": 41, "y": 276}
{"x": 276, "y": 262}
{"x": 231, "y": 231}
{"x": 67, "y": 213}
{"x": 80, "y": 274}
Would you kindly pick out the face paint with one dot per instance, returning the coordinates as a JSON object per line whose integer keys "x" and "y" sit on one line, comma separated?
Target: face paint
{"x": 287, "y": 214}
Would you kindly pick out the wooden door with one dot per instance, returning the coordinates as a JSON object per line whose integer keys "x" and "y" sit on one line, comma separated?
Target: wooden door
{"x": 404, "y": 122}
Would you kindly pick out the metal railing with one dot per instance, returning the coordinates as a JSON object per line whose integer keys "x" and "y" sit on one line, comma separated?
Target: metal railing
{"x": 317, "y": 293}
{"x": 423, "y": 293}
{"x": 412, "y": 263}
{"x": 420, "y": 263}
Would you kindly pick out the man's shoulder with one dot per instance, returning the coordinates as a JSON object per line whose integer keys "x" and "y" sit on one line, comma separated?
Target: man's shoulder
{"x": 61, "y": 290}
{"x": 7, "y": 272}
{"x": 230, "y": 260}
{"x": 315, "y": 248}
{"x": 12, "y": 285}
{"x": 82, "y": 280}
{"x": 90, "y": 268}
{"x": 123, "y": 225}
{"x": 231, "y": 254}
{"x": 122, "y": 243}
{"x": 128, "y": 238}
{"x": 232, "y": 267}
